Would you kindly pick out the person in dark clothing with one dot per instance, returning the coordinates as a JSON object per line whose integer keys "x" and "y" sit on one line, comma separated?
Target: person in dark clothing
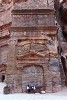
{"x": 28, "y": 88}
{"x": 33, "y": 88}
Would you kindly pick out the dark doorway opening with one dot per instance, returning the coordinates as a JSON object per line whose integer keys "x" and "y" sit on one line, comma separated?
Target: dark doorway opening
{"x": 3, "y": 78}
{"x": 64, "y": 64}
{"x": 64, "y": 68}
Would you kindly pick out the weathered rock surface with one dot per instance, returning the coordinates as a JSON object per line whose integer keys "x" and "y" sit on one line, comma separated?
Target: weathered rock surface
{"x": 29, "y": 47}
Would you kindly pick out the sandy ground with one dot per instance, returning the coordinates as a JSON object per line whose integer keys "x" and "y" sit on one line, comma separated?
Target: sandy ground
{"x": 61, "y": 95}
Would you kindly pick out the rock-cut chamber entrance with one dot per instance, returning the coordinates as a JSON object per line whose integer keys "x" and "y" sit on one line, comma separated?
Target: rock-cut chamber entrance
{"x": 32, "y": 75}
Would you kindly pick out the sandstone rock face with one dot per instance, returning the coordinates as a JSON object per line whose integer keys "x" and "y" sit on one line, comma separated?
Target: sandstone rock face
{"x": 5, "y": 21}
{"x": 29, "y": 46}
{"x": 61, "y": 10}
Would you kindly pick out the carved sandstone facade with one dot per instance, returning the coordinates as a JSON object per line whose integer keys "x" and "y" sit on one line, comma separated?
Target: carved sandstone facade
{"x": 32, "y": 55}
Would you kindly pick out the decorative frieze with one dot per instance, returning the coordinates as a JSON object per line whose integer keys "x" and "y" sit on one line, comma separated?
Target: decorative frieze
{"x": 33, "y": 20}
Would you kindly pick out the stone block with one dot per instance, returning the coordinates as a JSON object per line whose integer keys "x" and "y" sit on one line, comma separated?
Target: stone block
{"x": 6, "y": 90}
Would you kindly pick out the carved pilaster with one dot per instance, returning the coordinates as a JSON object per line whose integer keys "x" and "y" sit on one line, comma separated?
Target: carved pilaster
{"x": 11, "y": 57}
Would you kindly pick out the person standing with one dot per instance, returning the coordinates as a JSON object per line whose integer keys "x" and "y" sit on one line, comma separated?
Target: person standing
{"x": 28, "y": 88}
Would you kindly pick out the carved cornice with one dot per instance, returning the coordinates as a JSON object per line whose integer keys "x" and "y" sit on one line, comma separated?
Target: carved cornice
{"x": 42, "y": 28}
{"x": 33, "y": 11}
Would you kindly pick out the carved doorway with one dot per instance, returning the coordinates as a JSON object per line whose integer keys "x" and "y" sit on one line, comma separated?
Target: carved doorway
{"x": 3, "y": 68}
{"x": 32, "y": 75}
